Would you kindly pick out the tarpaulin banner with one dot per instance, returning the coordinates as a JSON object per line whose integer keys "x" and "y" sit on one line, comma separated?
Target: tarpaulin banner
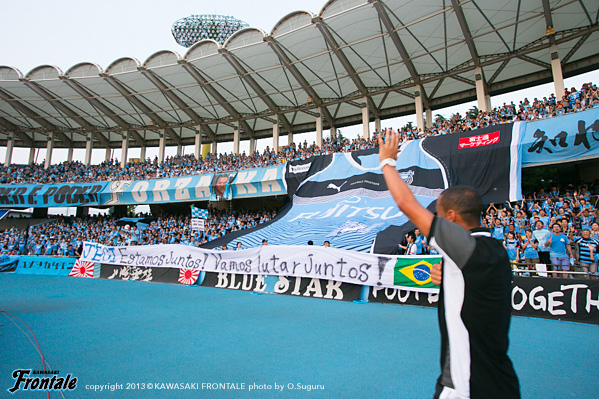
{"x": 408, "y": 272}
{"x": 488, "y": 159}
{"x": 556, "y": 298}
{"x": 50, "y": 195}
{"x": 134, "y": 273}
{"x": 344, "y": 199}
{"x": 47, "y": 265}
{"x": 562, "y": 138}
{"x": 297, "y": 171}
{"x": 8, "y": 263}
{"x": 402, "y": 297}
{"x": 295, "y": 286}
{"x": 157, "y": 191}
{"x": 550, "y": 298}
{"x": 260, "y": 182}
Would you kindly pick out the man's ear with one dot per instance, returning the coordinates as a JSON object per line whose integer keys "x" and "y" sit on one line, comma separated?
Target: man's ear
{"x": 451, "y": 215}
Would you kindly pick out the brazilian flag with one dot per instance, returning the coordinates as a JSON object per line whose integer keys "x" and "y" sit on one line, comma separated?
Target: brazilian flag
{"x": 414, "y": 272}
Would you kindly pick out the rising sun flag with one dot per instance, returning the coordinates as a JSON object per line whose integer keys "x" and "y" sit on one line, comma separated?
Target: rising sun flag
{"x": 188, "y": 277}
{"x": 82, "y": 269}
{"x": 409, "y": 274}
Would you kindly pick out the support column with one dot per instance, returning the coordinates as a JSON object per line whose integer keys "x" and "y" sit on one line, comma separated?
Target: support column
{"x": 319, "y": 128}
{"x": 161, "y": 145}
{"x": 214, "y": 147}
{"x": 333, "y": 132}
{"x": 89, "y": 146}
{"x": 70, "y": 155}
{"x": 252, "y": 146}
{"x": 365, "y": 119}
{"x": 10, "y": 141}
{"x": 289, "y": 138}
{"x": 179, "y": 149}
{"x": 481, "y": 90}
{"x": 31, "y": 155}
{"x": 429, "y": 118}
{"x": 49, "y": 150}
{"x": 556, "y": 70}
{"x": 377, "y": 125}
{"x": 236, "y": 138}
{"x": 108, "y": 154}
{"x": 39, "y": 213}
{"x": 142, "y": 153}
{"x": 125, "y": 149}
{"x": 275, "y": 135}
{"x": 419, "y": 107}
{"x": 82, "y": 211}
{"x": 198, "y": 144}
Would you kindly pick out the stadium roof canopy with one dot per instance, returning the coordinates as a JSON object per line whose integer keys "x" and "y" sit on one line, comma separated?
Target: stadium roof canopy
{"x": 353, "y": 49}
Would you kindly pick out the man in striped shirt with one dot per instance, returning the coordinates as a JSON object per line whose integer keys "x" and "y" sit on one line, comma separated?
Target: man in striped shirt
{"x": 587, "y": 252}
{"x": 475, "y": 296}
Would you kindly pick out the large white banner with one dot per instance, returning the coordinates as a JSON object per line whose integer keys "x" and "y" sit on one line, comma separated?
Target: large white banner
{"x": 405, "y": 272}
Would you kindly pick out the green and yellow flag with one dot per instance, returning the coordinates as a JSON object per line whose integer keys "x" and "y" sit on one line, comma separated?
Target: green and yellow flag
{"x": 410, "y": 272}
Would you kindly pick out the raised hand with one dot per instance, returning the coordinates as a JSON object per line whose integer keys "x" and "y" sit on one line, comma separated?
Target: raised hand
{"x": 388, "y": 147}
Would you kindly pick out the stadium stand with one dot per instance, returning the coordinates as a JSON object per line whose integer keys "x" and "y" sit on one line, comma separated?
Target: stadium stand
{"x": 76, "y": 172}
{"x": 63, "y": 236}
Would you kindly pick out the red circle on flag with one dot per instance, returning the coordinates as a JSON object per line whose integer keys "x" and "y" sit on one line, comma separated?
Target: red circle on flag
{"x": 187, "y": 274}
{"x": 82, "y": 270}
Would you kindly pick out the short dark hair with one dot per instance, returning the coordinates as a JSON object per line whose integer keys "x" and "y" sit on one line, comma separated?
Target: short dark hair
{"x": 465, "y": 201}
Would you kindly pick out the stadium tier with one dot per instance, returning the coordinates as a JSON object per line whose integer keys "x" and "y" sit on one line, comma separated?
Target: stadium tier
{"x": 573, "y": 101}
{"x": 326, "y": 187}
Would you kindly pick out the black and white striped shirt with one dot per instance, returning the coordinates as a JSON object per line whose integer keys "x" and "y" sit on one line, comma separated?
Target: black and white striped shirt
{"x": 474, "y": 314}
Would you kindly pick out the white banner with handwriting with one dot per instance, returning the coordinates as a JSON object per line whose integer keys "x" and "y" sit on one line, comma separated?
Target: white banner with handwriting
{"x": 405, "y": 272}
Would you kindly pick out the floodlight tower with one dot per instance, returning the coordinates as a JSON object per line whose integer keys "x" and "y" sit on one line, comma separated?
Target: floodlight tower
{"x": 190, "y": 30}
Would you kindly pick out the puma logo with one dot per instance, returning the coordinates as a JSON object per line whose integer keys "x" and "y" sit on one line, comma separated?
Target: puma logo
{"x": 338, "y": 188}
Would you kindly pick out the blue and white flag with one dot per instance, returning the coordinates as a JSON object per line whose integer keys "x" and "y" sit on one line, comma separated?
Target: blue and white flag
{"x": 199, "y": 213}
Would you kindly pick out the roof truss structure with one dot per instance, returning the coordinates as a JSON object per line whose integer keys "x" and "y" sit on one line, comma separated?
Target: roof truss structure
{"x": 307, "y": 65}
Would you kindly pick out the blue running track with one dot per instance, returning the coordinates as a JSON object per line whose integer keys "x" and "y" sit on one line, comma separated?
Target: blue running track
{"x": 116, "y": 332}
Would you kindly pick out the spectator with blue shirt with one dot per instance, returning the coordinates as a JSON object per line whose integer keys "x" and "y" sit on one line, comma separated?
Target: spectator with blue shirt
{"x": 498, "y": 230}
{"x": 560, "y": 249}
{"x": 512, "y": 246}
{"x": 595, "y": 230}
{"x": 38, "y": 248}
{"x": 51, "y": 248}
{"x": 529, "y": 247}
{"x": 420, "y": 242}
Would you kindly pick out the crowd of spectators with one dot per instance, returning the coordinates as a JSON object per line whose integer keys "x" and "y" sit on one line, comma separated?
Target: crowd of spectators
{"x": 76, "y": 172}
{"x": 64, "y": 236}
{"x": 558, "y": 228}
